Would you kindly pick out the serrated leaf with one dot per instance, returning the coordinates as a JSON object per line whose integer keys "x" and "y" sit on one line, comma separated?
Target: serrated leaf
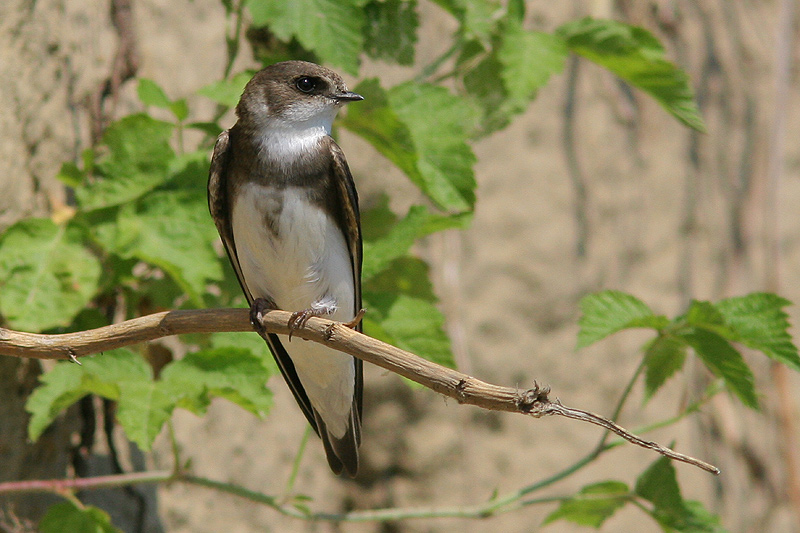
{"x": 66, "y": 517}
{"x": 724, "y": 361}
{"x": 636, "y": 56}
{"x": 47, "y": 276}
{"x": 607, "y": 312}
{"x": 505, "y": 81}
{"x": 330, "y": 28}
{"x": 593, "y": 505}
{"x": 137, "y": 155}
{"x": 411, "y": 324}
{"x": 439, "y": 124}
{"x": 227, "y": 92}
{"x": 376, "y": 122}
{"x": 232, "y": 373}
{"x": 663, "y": 357}
{"x": 659, "y": 485}
{"x": 150, "y": 93}
{"x": 60, "y": 388}
{"x": 529, "y": 58}
{"x": 391, "y": 30}
{"x": 418, "y": 223}
{"x": 759, "y": 322}
{"x": 142, "y": 410}
{"x": 170, "y": 230}
{"x": 66, "y": 383}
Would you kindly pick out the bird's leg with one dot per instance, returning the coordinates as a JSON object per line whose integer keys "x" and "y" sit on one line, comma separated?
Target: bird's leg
{"x": 260, "y": 307}
{"x": 322, "y": 307}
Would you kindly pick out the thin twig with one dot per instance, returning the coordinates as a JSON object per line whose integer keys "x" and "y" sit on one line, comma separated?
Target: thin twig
{"x": 463, "y": 388}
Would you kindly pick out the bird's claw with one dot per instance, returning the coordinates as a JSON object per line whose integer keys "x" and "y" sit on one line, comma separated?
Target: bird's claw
{"x": 299, "y": 320}
{"x": 260, "y": 308}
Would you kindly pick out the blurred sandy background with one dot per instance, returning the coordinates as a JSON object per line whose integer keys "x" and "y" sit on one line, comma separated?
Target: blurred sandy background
{"x": 663, "y": 208}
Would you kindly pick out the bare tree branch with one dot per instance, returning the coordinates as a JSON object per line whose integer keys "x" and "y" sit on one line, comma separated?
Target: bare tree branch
{"x": 463, "y": 388}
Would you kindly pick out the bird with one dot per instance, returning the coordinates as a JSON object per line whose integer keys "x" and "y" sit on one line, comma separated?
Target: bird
{"x": 283, "y": 200}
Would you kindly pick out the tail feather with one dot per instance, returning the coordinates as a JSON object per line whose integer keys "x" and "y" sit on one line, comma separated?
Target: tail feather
{"x": 342, "y": 452}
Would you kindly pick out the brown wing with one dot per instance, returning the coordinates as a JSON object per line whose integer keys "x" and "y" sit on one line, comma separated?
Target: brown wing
{"x": 351, "y": 226}
{"x": 219, "y": 206}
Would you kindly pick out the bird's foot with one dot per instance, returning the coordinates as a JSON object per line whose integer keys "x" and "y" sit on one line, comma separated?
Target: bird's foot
{"x": 300, "y": 318}
{"x": 260, "y": 307}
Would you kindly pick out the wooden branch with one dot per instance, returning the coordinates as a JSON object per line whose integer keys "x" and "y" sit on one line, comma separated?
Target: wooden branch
{"x": 463, "y": 388}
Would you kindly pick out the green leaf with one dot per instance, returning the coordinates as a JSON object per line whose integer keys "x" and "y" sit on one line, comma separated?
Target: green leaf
{"x": 150, "y": 93}
{"x": 405, "y": 275}
{"x": 608, "y": 312}
{"x": 724, "y": 361}
{"x": 659, "y": 485}
{"x": 479, "y": 18}
{"x": 71, "y": 175}
{"x": 418, "y": 223}
{"x": 66, "y": 517}
{"x": 172, "y": 231}
{"x": 759, "y": 322}
{"x": 391, "y": 30}
{"x": 511, "y": 72}
{"x": 235, "y": 374}
{"x": 143, "y": 409}
{"x": 663, "y": 357}
{"x": 409, "y": 323}
{"x": 212, "y": 129}
{"x": 106, "y": 375}
{"x": 377, "y": 123}
{"x": 137, "y": 155}
{"x": 60, "y": 387}
{"x": 47, "y": 276}
{"x": 180, "y": 109}
{"x": 636, "y": 56}
{"x": 227, "y": 92}
{"x": 593, "y": 505}
{"x": 529, "y": 58}
{"x": 439, "y": 125}
{"x": 330, "y": 28}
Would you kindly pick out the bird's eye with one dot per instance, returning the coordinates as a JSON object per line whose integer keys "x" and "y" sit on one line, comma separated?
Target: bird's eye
{"x": 306, "y": 84}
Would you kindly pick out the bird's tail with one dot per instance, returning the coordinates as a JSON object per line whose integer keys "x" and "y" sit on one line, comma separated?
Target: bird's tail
{"x": 342, "y": 452}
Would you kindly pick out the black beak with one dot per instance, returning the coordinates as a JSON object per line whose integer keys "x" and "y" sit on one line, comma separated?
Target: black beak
{"x": 348, "y": 97}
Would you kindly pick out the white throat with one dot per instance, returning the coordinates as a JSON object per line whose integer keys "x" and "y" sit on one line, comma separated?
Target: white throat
{"x": 286, "y": 140}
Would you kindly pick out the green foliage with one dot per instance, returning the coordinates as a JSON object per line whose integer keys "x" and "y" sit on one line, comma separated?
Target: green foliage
{"x": 593, "y": 504}
{"x": 637, "y": 57}
{"x": 608, "y": 312}
{"x": 756, "y": 320}
{"x": 47, "y": 275}
{"x": 330, "y": 28}
{"x": 67, "y": 517}
{"x": 144, "y": 404}
{"x": 659, "y": 486}
{"x": 140, "y": 237}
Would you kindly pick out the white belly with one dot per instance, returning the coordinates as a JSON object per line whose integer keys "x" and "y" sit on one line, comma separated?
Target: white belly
{"x": 303, "y": 264}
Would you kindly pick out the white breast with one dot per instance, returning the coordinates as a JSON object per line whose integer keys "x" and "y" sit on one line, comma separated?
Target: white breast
{"x": 307, "y": 261}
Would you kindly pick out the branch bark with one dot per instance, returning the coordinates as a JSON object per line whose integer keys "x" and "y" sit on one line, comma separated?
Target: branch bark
{"x": 461, "y": 387}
